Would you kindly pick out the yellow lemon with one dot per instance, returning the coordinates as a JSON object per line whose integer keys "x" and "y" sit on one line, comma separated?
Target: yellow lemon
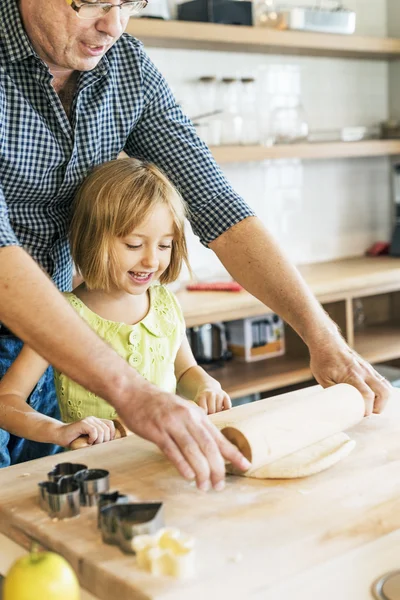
{"x": 43, "y": 575}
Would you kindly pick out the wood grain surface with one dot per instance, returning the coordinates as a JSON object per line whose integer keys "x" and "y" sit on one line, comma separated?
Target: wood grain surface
{"x": 251, "y": 538}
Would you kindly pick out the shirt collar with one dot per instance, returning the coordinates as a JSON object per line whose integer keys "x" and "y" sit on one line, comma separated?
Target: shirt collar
{"x": 16, "y": 42}
{"x": 161, "y": 318}
{"x": 160, "y": 321}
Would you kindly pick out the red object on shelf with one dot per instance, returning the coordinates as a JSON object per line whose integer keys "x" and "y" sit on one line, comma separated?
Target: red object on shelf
{"x": 378, "y": 249}
{"x": 217, "y": 286}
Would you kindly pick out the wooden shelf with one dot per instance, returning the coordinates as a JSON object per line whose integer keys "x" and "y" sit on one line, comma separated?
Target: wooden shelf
{"x": 378, "y": 343}
{"x": 310, "y": 151}
{"x": 211, "y": 36}
{"x": 240, "y": 378}
{"x": 329, "y": 281}
{"x": 375, "y": 344}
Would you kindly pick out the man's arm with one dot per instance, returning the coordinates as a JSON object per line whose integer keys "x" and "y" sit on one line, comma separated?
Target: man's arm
{"x": 262, "y": 268}
{"x": 33, "y": 309}
{"x": 227, "y": 225}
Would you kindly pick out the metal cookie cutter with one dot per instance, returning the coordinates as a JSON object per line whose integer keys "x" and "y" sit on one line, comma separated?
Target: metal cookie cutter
{"x": 65, "y": 470}
{"x": 92, "y": 482}
{"x": 120, "y": 523}
{"x": 110, "y": 498}
{"x": 387, "y": 587}
{"x": 60, "y": 499}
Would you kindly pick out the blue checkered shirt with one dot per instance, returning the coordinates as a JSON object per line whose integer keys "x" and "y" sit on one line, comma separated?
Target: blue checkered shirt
{"x": 122, "y": 104}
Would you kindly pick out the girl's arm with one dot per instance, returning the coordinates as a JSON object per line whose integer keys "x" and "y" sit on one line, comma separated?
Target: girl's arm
{"x": 195, "y": 384}
{"x": 19, "y": 418}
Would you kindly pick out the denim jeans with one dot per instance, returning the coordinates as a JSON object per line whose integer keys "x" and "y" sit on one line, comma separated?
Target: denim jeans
{"x": 13, "y": 449}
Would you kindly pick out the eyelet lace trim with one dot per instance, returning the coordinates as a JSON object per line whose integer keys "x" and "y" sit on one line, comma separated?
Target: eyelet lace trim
{"x": 161, "y": 319}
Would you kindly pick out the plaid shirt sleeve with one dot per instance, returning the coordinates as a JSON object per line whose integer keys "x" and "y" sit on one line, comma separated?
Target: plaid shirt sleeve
{"x": 7, "y": 236}
{"x": 166, "y": 137}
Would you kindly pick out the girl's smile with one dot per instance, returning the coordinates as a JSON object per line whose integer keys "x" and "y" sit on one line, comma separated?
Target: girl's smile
{"x": 141, "y": 278}
{"x": 144, "y": 255}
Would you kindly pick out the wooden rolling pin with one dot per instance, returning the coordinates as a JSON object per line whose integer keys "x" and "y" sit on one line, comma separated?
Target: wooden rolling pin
{"x": 270, "y": 429}
{"x": 82, "y": 441}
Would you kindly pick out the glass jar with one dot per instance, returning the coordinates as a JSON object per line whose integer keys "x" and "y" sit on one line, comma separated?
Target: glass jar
{"x": 230, "y": 118}
{"x": 288, "y": 123}
{"x": 267, "y": 14}
{"x": 207, "y": 89}
{"x": 250, "y": 132}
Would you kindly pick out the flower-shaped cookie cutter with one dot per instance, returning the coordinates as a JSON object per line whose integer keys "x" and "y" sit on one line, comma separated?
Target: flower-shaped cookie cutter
{"x": 60, "y": 499}
{"x": 92, "y": 482}
{"x": 66, "y": 469}
{"x": 120, "y": 523}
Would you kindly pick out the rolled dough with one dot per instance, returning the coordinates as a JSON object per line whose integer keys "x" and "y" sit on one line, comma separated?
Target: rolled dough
{"x": 308, "y": 461}
{"x": 296, "y": 434}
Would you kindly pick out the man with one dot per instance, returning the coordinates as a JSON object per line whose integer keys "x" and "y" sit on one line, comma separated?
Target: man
{"x": 74, "y": 93}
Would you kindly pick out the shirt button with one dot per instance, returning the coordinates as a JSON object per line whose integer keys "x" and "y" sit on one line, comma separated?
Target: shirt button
{"x": 135, "y": 359}
{"x": 134, "y": 337}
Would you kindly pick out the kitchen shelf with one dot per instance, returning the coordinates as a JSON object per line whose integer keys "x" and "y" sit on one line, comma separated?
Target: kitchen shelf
{"x": 212, "y": 36}
{"x": 330, "y": 282}
{"x": 378, "y": 343}
{"x": 313, "y": 151}
{"x": 241, "y": 378}
{"x": 336, "y": 284}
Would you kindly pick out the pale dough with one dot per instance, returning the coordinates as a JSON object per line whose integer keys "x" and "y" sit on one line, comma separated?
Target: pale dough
{"x": 307, "y": 461}
{"x": 296, "y": 434}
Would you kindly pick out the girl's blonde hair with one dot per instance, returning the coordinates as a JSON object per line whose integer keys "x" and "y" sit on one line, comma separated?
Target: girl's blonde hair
{"x": 113, "y": 200}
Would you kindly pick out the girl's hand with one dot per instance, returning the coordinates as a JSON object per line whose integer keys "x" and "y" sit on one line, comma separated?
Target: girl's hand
{"x": 96, "y": 430}
{"x": 213, "y": 399}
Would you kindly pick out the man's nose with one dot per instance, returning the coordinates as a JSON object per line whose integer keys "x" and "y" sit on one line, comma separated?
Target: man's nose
{"x": 112, "y": 23}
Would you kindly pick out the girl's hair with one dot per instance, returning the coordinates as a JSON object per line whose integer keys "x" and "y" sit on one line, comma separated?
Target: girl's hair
{"x": 113, "y": 200}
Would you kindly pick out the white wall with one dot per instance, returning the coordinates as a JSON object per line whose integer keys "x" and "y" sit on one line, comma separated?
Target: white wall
{"x": 393, "y": 16}
{"x": 318, "y": 210}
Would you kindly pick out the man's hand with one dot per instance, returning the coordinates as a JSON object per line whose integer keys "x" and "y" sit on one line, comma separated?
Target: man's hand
{"x": 185, "y": 435}
{"x": 333, "y": 361}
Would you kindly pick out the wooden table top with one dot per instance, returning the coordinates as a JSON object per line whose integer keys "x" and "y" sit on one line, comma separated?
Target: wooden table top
{"x": 252, "y": 538}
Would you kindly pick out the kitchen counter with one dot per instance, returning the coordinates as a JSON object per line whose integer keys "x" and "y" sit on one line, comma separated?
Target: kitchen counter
{"x": 329, "y": 281}
{"x": 326, "y": 536}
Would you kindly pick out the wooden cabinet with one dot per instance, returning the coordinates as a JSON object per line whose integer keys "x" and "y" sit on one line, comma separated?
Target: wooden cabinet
{"x": 378, "y": 338}
{"x": 343, "y": 287}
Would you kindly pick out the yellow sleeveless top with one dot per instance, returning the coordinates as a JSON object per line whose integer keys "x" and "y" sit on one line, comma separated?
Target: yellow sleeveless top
{"x": 149, "y": 346}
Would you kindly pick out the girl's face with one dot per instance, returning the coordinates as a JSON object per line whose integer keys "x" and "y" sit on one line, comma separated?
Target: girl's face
{"x": 144, "y": 254}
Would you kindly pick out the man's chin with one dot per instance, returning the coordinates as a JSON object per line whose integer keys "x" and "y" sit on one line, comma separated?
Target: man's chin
{"x": 87, "y": 64}
{"x": 81, "y": 62}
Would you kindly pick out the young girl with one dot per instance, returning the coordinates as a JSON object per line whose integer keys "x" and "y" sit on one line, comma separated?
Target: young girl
{"x": 127, "y": 241}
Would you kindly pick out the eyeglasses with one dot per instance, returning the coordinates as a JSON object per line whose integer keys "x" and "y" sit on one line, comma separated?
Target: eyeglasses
{"x": 96, "y": 10}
